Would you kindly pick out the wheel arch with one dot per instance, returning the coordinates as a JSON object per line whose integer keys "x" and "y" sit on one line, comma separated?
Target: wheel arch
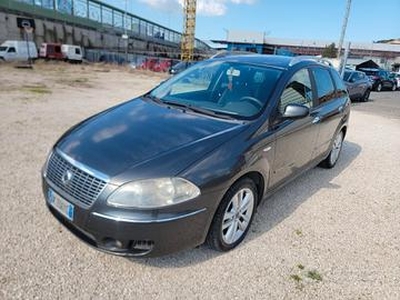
{"x": 258, "y": 180}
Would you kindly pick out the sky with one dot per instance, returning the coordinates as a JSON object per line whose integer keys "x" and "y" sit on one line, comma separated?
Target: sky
{"x": 370, "y": 20}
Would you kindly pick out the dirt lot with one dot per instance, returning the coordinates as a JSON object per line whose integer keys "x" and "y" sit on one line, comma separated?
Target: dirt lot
{"x": 331, "y": 234}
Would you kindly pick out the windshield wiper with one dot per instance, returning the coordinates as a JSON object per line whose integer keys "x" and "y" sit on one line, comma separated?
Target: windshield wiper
{"x": 200, "y": 110}
{"x": 153, "y": 98}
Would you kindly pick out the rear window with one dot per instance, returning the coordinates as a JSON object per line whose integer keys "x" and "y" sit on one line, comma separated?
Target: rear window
{"x": 346, "y": 76}
{"x": 371, "y": 72}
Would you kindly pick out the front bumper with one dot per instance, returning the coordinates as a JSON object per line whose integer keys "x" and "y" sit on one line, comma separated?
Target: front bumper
{"x": 137, "y": 233}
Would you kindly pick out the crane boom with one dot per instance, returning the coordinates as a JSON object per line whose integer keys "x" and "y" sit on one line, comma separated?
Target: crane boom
{"x": 189, "y": 23}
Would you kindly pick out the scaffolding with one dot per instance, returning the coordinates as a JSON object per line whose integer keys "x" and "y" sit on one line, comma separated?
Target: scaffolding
{"x": 189, "y": 23}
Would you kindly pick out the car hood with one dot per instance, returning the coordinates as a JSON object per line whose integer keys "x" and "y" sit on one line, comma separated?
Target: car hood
{"x": 139, "y": 131}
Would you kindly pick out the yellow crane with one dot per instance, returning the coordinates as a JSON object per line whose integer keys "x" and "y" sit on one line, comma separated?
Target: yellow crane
{"x": 189, "y": 26}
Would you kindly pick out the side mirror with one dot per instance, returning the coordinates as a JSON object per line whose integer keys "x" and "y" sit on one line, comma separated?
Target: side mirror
{"x": 296, "y": 111}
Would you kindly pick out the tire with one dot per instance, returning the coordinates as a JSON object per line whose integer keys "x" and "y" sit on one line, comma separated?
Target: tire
{"x": 394, "y": 87}
{"x": 378, "y": 87}
{"x": 331, "y": 160}
{"x": 365, "y": 97}
{"x": 233, "y": 217}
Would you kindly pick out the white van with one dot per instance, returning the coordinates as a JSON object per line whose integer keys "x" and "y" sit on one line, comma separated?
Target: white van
{"x": 18, "y": 50}
{"x": 72, "y": 53}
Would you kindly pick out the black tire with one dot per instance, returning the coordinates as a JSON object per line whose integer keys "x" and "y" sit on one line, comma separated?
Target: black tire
{"x": 218, "y": 236}
{"x": 365, "y": 97}
{"x": 331, "y": 160}
{"x": 379, "y": 87}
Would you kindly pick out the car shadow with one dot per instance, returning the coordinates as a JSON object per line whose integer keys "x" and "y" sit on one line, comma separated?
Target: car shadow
{"x": 271, "y": 211}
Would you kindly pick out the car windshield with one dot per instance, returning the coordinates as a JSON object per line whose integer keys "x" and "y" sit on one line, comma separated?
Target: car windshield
{"x": 3, "y": 48}
{"x": 220, "y": 88}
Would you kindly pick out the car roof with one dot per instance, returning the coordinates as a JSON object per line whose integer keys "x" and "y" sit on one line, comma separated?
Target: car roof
{"x": 277, "y": 61}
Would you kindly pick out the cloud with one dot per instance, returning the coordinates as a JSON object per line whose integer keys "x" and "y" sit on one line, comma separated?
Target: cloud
{"x": 204, "y": 7}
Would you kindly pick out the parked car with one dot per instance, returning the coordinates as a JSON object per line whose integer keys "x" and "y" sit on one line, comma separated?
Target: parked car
{"x": 72, "y": 53}
{"x": 51, "y": 51}
{"x": 190, "y": 161}
{"x": 396, "y": 77}
{"x": 380, "y": 79}
{"x": 180, "y": 66}
{"x": 358, "y": 84}
{"x": 18, "y": 51}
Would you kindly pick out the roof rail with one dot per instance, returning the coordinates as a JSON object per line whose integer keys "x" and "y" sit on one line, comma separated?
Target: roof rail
{"x": 300, "y": 58}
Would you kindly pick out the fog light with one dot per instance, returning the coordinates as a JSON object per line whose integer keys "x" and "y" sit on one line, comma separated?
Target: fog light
{"x": 111, "y": 243}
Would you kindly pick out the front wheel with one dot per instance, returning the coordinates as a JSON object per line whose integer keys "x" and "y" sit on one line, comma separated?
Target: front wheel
{"x": 379, "y": 87}
{"x": 333, "y": 156}
{"x": 234, "y": 216}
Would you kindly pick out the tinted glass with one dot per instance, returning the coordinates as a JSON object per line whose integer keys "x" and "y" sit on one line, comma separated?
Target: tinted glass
{"x": 235, "y": 89}
{"x": 347, "y": 75}
{"x": 11, "y": 49}
{"x": 325, "y": 87}
{"x": 338, "y": 81}
{"x": 297, "y": 91}
{"x": 3, "y": 48}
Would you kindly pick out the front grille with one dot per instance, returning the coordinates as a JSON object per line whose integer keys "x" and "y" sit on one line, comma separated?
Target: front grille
{"x": 83, "y": 187}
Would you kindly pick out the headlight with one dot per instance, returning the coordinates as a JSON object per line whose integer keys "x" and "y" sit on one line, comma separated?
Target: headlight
{"x": 153, "y": 193}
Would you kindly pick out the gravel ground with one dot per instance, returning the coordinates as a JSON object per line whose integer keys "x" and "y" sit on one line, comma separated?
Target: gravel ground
{"x": 330, "y": 234}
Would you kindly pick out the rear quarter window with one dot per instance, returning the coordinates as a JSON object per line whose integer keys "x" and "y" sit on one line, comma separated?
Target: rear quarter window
{"x": 324, "y": 85}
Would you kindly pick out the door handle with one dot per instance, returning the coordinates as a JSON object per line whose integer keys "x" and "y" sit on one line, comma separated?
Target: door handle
{"x": 316, "y": 120}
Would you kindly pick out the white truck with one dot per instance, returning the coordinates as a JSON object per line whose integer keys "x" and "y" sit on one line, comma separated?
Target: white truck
{"x": 72, "y": 53}
{"x": 18, "y": 50}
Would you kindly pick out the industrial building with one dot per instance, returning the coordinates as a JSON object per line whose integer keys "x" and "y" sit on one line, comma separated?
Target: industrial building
{"x": 92, "y": 24}
{"x": 385, "y": 55}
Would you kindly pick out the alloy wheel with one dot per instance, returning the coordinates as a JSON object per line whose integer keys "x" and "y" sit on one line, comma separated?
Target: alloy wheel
{"x": 237, "y": 215}
{"x": 337, "y": 146}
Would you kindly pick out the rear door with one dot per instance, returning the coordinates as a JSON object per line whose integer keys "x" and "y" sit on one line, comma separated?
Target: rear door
{"x": 295, "y": 139}
{"x": 331, "y": 102}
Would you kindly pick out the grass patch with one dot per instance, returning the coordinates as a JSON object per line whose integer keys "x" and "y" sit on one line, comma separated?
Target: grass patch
{"x": 314, "y": 275}
{"x": 298, "y": 232}
{"x": 296, "y": 277}
{"x": 37, "y": 89}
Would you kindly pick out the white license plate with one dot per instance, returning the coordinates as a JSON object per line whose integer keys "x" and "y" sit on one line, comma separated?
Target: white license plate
{"x": 61, "y": 205}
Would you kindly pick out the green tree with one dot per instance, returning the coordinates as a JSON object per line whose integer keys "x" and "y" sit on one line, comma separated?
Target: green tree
{"x": 329, "y": 51}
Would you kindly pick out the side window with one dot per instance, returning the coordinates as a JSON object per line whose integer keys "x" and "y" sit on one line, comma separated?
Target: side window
{"x": 11, "y": 50}
{"x": 325, "y": 87}
{"x": 298, "y": 90}
{"x": 77, "y": 51}
{"x": 340, "y": 85}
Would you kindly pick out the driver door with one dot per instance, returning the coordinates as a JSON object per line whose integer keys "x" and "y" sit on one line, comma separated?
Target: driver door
{"x": 295, "y": 138}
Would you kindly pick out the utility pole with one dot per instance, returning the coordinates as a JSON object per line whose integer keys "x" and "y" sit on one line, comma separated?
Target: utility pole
{"x": 344, "y": 26}
{"x": 125, "y": 35}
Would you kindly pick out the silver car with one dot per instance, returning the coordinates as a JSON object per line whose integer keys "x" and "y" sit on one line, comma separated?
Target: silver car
{"x": 358, "y": 84}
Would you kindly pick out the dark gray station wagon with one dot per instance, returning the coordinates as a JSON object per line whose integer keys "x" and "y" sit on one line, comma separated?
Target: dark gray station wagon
{"x": 189, "y": 162}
